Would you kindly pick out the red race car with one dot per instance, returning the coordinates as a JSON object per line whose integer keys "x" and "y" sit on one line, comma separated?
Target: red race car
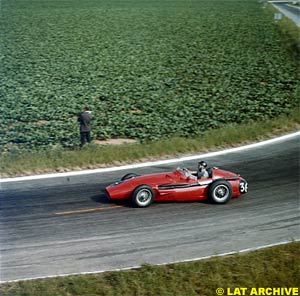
{"x": 180, "y": 185}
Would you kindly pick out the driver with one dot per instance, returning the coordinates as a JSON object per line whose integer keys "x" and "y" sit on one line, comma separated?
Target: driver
{"x": 201, "y": 170}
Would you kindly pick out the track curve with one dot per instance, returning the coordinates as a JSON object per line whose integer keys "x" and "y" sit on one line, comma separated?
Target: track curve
{"x": 50, "y": 229}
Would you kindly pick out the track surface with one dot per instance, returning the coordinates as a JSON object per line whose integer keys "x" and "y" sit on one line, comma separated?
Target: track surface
{"x": 49, "y": 229}
{"x": 289, "y": 11}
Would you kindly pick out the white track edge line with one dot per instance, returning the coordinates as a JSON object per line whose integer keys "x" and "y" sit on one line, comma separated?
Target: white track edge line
{"x": 153, "y": 163}
{"x": 160, "y": 264}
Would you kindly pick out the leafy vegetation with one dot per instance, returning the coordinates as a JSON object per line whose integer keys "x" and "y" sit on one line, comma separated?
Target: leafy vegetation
{"x": 148, "y": 69}
{"x": 272, "y": 267}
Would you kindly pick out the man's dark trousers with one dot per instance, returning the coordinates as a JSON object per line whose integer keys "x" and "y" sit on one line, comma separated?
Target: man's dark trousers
{"x": 85, "y": 136}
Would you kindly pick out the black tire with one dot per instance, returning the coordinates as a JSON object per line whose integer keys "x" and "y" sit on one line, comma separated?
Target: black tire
{"x": 220, "y": 192}
{"x": 129, "y": 176}
{"x": 142, "y": 196}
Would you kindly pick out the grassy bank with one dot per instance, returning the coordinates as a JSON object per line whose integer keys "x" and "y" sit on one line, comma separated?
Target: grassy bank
{"x": 272, "y": 267}
{"x": 94, "y": 156}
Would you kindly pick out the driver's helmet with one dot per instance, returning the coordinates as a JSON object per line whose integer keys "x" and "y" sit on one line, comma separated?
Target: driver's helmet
{"x": 202, "y": 164}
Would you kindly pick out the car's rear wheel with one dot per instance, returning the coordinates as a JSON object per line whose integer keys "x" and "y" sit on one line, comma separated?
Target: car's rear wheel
{"x": 142, "y": 196}
{"x": 220, "y": 192}
{"x": 129, "y": 176}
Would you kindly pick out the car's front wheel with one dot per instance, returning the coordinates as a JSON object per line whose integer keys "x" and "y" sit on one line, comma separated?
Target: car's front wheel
{"x": 142, "y": 196}
{"x": 220, "y": 192}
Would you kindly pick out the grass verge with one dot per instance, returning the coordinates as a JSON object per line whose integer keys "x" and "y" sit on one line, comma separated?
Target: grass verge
{"x": 273, "y": 267}
{"x": 95, "y": 156}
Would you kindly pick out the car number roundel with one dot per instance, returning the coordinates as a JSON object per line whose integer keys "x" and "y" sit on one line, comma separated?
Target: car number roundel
{"x": 243, "y": 186}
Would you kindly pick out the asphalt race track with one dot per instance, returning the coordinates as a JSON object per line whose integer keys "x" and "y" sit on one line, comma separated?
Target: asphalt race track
{"x": 54, "y": 227}
{"x": 289, "y": 11}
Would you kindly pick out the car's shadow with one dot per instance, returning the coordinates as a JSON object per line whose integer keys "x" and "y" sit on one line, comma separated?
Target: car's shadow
{"x": 103, "y": 199}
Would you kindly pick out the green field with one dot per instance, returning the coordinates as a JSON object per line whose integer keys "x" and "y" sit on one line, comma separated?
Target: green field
{"x": 147, "y": 69}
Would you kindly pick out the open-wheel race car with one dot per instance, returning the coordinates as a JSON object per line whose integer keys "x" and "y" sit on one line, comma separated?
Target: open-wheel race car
{"x": 179, "y": 185}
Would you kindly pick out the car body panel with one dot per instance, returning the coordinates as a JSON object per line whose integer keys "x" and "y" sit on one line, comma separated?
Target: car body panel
{"x": 176, "y": 185}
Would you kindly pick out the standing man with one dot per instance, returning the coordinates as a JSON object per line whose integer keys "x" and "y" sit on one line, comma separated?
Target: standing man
{"x": 85, "y": 130}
